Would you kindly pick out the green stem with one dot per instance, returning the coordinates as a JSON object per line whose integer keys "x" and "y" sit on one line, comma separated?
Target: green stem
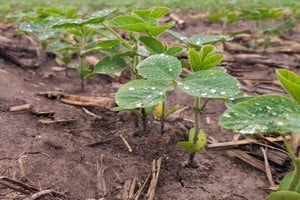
{"x": 196, "y": 118}
{"x": 296, "y": 162}
{"x": 196, "y": 128}
{"x": 126, "y": 44}
{"x": 81, "y": 62}
{"x": 162, "y": 118}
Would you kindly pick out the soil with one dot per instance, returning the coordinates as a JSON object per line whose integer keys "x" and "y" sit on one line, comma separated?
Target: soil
{"x": 86, "y": 158}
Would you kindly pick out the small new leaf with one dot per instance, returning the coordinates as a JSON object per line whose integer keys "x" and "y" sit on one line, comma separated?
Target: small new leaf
{"x": 204, "y": 60}
{"x": 290, "y": 82}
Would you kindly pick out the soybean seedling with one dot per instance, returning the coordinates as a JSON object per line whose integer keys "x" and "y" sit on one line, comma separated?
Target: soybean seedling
{"x": 272, "y": 114}
{"x": 258, "y": 16}
{"x": 224, "y": 16}
{"x": 206, "y": 81}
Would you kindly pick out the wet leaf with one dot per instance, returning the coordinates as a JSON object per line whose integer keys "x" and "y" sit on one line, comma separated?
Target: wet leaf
{"x": 130, "y": 23}
{"x": 199, "y": 40}
{"x": 141, "y": 94}
{"x": 153, "y": 45}
{"x": 178, "y": 36}
{"x": 284, "y": 195}
{"x": 174, "y": 51}
{"x": 160, "y": 67}
{"x": 291, "y": 121}
{"x": 290, "y": 82}
{"x": 57, "y": 46}
{"x": 68, "y": 23}
{"x": 102, "y": 45}
{"x": 99, "y": 16}
{"x": 210, "y": 84}
{"x": 263, "y": 114}
{"x": 110, "y": 65}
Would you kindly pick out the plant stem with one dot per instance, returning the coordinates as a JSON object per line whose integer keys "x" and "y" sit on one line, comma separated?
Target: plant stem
{"x": 162, "y": 118}
{"x": 296, "y": 162}
{"x": 126, "y": 44}
{"x": 81, "y": 72}
{"x": 82, "y": 45}
{"x": 196, "y": 118}
{"x": 196, "y": 128}
{"x": 144, "y": 120}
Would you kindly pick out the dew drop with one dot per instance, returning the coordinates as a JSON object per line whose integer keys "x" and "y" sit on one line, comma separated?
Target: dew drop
{"x": 204, "y": 94}
{"x": 279, "y": 123}
{"x": 223, "y": 92}
{"x": 213, "y": 90}
{"x": 186, "y": 87}
{"x": 153, "y": 88}
{"x": 131, "y": 88}
{"x": 268, "y": 107}
{"x": 226, "y": 115}
{"x": 161, "y": 93}
{"x": 138, "y": 105}
{"x": 170, "y": 70}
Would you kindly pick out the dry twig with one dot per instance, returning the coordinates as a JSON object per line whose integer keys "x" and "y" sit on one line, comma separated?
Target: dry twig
{"x": 126, "y": 143}
{"x": 156, "y": 165}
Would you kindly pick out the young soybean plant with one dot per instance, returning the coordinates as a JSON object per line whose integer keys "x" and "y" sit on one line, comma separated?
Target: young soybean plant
{"x": 206, "y": 81}
{"x": 82, "y": 30}
{"x": 142, "y": 48}
{"x": 269, "y": 114}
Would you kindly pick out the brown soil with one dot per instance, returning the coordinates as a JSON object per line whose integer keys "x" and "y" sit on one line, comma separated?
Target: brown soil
{"x": 87, "y": 159}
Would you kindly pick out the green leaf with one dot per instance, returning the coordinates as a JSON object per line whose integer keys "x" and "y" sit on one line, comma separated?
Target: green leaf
{"x": 263, "y": 114}
{"x": 157, "y": 30}
{"x": 194, "y": 59}
{"x": 285, "y": 182}
{"x": 261, "y": 14}
{"x": 130, "y": 23}
{"x": 158, "y": 12}
{"x": 83, "y": 71}
{"x": 291, "y": 121}
{"x": 210, "y": 84}
{"x": 31, "y": 27}
{"x": 174, "y": 51}
{"x": 152, "y": 44}
{"x": 145, "y": 16}
{"x": 160, "y": 67}
{"x": 223, "y": 16}
{"x": 284, "y": 195}
{"x": 57, "y": 46}
{"x": 199, "y": 40}
{"x": 99, "y": 16}
{"x": 110, "y": 65}
{"x": 290, "y": 82}
{"x": 231, "y": 103}
{"x": 68, "y": 23}
{"x": 102, "y": 45}
{"x": 179, "y": 36}
{"x": 193, "y": 148}
{"x": 141, "y": 94}
{"x": 204, "y": 60}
